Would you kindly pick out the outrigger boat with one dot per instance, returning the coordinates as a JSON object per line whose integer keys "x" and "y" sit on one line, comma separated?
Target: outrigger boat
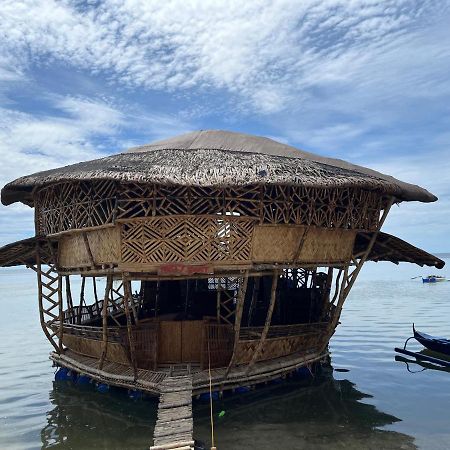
{"x": 437, "y": 344}
{"x": 433, "y": 279}
{"x": 434, "y": 343}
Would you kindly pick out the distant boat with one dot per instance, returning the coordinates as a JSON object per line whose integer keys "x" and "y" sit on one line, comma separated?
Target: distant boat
{"x": 437, "y": 344}
{"x": 433, "y": 279}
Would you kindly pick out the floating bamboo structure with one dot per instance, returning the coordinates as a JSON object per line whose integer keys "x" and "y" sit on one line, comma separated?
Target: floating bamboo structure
{"x": 208, "y": 248}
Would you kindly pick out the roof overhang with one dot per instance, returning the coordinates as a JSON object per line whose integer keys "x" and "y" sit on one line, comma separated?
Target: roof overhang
{"x": 393, "y": 249}
{"x": 21, "y": 252}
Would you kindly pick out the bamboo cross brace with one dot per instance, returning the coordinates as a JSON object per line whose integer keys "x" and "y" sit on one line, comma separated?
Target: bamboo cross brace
{"x": 259, "y": 347}
{"x": 40, "y": 273}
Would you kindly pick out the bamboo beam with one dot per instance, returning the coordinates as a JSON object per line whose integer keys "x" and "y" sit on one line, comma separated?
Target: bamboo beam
{"x": 108, "y": 288}
{"x": 259, "y": 347}
{"x": 237, "y": 319}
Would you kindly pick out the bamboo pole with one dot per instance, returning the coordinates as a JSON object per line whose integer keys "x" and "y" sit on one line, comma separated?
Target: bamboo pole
{"x": 60, "y": 315}
{"x": 80, "y": 307}
{"x": 109, "y": 282}
{"x": 273, "y": 296}
{"x": 349, "y": 280}
{"x": 94, "y": 285}
{"x": 237, "y": 319}
{"x": 219, "y": 294}
{"x": 69, "y": 299}
{"x": 126, "y": 299}
{"x": 256, "y": 283}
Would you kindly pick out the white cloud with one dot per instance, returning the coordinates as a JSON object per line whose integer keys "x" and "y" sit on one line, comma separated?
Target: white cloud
{"x": 352, "y": 78}
{"x": 267, "y": 54}
{"x": 31, "y": 143}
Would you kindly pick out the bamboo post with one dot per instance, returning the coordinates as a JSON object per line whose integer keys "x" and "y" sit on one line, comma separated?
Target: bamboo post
{"x": 108, "y": 288}
{"x": 126, "y": 299}
{"x": 80, "y": 308}
{"x": 259, "y": 347}
{"x": 69, "y": 299}
{"x": 219, "y": 292}
{"x": 256, "y": 283}
{"x": 61, "y": 315}
{"x": 94, "y": 286}
{"x": 237, "y": 319}
{"x": 349, "y": 280}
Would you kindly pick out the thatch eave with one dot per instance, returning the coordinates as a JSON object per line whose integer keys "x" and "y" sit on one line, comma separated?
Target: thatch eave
{"x": 218, "y": 158}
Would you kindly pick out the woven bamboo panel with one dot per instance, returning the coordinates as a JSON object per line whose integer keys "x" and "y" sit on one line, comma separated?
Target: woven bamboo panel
{"x": 217, "y": 345}
{"x": 186, "y": 239}
{"x": 90, "y": 347}
{"x": 277, "y": 347}
{"x": 282, "y": 243}
{"x": 104, "y": 246}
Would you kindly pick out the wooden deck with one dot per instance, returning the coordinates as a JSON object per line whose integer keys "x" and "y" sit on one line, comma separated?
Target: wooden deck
{"x": 174, "y": 426}
{"x": 153, "y": 381}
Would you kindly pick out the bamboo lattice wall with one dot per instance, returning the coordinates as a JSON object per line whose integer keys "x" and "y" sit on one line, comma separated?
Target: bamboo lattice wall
{"x": 75, "y": 205}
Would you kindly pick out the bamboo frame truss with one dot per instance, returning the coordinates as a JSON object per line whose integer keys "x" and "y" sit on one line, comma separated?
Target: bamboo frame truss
{"x": 84, "y": 204}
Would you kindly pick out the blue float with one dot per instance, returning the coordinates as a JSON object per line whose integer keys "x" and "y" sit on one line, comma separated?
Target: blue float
{"x": 205, "y": 396}
{"x": 135, "y": 394}
{"x": 83, "y": 380}
{"x": 303, "y": 372}
{"x": 64, "y": 374}
{"x": 242, "y": 389}
{"x": 102, "y": 388}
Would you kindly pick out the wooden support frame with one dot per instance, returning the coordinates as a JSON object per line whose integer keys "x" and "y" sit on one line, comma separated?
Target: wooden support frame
{"x": 238, "y": 318}
{"x": 49, "y": 296}
{"x": 259, "y": 347}
{"x": 126, "y": 302}
{"x": 349, "y": 278}
{"x": 108, "y": 288}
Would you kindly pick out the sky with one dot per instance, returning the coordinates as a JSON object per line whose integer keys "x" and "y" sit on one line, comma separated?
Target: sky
{"x": 362, "y": 80}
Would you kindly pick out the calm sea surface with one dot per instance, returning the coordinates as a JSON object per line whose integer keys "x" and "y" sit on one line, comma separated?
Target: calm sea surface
{"x": 368, "y": 401}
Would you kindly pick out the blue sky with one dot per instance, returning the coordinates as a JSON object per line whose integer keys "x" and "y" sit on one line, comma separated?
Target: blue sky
{"x": 366, "y": 81}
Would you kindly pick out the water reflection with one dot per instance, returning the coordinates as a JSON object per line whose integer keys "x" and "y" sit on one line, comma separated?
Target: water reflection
{"x": 320, "y": 413}
{"x": 82, "y": 418}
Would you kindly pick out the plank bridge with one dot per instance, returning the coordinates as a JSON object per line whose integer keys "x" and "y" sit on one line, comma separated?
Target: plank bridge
{"x": 174, "y": 426}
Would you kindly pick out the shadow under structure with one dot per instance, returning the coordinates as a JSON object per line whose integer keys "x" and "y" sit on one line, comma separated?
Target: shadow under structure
{"x": 213, "y": 255}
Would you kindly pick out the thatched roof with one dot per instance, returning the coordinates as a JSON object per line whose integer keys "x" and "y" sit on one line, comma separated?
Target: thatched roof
{"x": 386, "y": 248}
{"x": 22, "y": 252}
{"x": 219, "y": 158}
{"x": 393, "y": 249}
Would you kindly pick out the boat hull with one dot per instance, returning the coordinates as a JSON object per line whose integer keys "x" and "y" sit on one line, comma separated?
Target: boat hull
{"x": 433, "y": 343}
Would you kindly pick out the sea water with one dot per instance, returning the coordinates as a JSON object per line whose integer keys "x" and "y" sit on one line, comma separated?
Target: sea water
{"x": 366, "y": 400}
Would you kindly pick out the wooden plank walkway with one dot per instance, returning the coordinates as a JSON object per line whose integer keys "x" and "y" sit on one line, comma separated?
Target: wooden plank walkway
{"x": 174, "y": 426}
